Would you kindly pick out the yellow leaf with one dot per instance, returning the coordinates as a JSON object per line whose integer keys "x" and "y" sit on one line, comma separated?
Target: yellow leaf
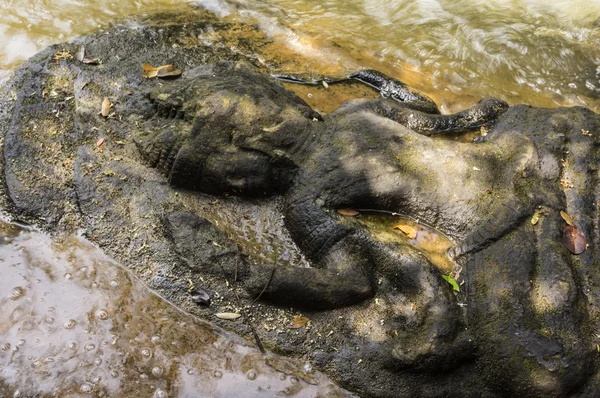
{"x": 408, "y": 230}
{"x": 567, "y": 218}
{"x": 147, "y": 67}
{"x": 535, "y": 218}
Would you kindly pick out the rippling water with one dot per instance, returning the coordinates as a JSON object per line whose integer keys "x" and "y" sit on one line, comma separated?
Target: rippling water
{"x": 74, "y": 323}
{"x": 538, "y": 51}
{"x": 541, "y": 52}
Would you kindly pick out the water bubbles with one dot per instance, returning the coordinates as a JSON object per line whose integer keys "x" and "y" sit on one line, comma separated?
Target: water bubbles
{"x": 102, "y": 315}
{"x": 157, "y": 371}
{"x": 114, "y": 374}
{"x": 98, "y": 361}
{"x": 49, "y": 320}
{"x": 294, "y": 380}
{"x": 17, "y": 293}
{"x": 68, "y": 276}
{"x": 21, "y": 342}
{"x": 97, "y": 379}
{"x": 287, "y": 391}
{"x": 70, "y": 324}
{"x": 49, "y": 360}
{"x": 72, "y": 345}
{"x": 155, "y": 339}
{"x": 143, "y": 376}
{"x": 191, "y": 372}
{"x": 86, "y": 388}
{"x": 5, "y": 347}
{"x": 17, "y": 394}
{"x": 160, "y": 393}
{"x": 146, "y": 353}
{"x": 282, "y": 377}
{"x": 218, "y": 374}
{"x": 36, "y": 364}
{"x": 113, "y": 283}
{"x": 251, "y": 375}
{"x": 90, "y": 347}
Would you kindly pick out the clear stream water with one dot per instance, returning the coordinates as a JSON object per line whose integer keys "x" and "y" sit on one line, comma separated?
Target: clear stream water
{"x": 540, "y": 52}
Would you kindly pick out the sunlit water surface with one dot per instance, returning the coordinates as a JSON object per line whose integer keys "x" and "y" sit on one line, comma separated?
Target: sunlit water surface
{"x": 541, "y": 52}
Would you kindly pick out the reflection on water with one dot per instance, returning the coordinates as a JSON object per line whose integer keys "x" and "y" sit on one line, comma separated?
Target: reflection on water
{"x": 541, "y": 52}
{"x": 74, "y": 323}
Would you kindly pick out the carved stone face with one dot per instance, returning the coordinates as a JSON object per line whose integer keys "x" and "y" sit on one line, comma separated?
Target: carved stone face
{"x": 224, "y": 128}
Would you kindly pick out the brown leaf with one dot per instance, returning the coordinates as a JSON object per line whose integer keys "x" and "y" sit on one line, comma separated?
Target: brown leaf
{"x": 298, "y": 322}
{"x": 567, "y": 218}
{"x": 408, "y": 230}
{"x": 105, "y": 107}
{"x": 100, "y": 142}
{"x": 574, "y": 239}
{"x": 348, "y": 212}
{"x": 162, "y": 71}
{"x": 90, "y": 61}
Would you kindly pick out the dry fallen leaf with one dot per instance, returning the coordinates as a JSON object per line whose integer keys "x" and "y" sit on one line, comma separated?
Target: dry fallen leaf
{"x": 90, "y": 61}
{"x": 105, "y": 107}
{"x": 100, "y": 142}
{"x": 147, "y": 66}
{"x": 567, "y": 218}
{"x": 408, "y": 230}
{"x": 231, "y": 316}
{"x": 168, "y": 71}
{"x": 80, "y": 53}
{"x": 162, "y": 71}
{"x": 298, "y": 322}
{"x": 574, "y": 239}
{"x": 536, "y": 216}
{"x": 348, "y": 212}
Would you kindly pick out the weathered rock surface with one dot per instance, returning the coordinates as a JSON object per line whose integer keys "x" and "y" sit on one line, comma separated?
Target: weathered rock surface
{"x": 217, "y": 178}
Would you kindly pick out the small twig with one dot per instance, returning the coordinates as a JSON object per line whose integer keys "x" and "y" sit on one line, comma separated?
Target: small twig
{"x": 239, "y": 303}
{"x": 265, "y": 288}
{"x": 237, "y": 257}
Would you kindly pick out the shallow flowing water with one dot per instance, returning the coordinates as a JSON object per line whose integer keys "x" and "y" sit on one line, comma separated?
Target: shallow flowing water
{"x": 541, "y": 52}
{"x": 74, "y": 323}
